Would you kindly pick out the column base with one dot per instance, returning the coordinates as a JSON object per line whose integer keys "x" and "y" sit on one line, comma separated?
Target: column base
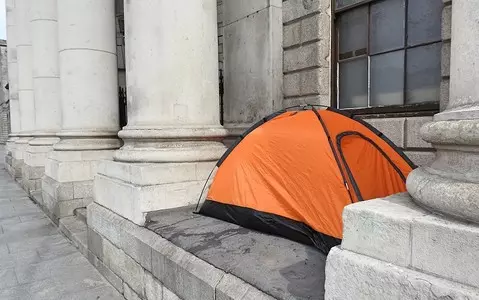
{"x": 35, "y": 157}
{"x": 18, "y": 153}
{"x": 394, "y": 249}
{"x": 68, "y": 180}
{"x": 134, "y": 189}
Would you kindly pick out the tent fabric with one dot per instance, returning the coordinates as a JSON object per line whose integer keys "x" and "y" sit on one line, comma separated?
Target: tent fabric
{"x": 293, "y": 173}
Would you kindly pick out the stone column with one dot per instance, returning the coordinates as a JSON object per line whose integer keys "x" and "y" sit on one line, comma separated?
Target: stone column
{"x": 89, "y": 101}
{"x": 450, "y": 185}
{"x": 424, "y": 245}
{"x": 12, "y": 36}
{"x": 46, "y": 85}
{"x": 172, "y": 139}
{"x": 25, "y": 80}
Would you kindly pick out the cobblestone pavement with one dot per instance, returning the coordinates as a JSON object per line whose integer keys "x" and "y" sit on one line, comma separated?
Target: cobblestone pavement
{"x": 36, "y": 260}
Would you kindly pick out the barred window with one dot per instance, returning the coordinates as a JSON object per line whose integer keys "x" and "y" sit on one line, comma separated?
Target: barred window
{"x": 388, "y": 52}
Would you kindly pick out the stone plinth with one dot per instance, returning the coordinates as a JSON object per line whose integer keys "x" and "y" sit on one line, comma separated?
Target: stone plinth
{"x": 68, "y": 180}
{"x": 35, "y": 156}
{"x": 134, "y": 189}
{"x": 18, "y": 156}
{"x": 393, "y": 249}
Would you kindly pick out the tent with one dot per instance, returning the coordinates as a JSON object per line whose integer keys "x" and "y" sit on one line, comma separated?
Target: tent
{"x": 293, "y": 172}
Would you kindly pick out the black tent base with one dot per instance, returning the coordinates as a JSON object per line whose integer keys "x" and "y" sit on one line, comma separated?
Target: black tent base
{"x": 270, "y": 224}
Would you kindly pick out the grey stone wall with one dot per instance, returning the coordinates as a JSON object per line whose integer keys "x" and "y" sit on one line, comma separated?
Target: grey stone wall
{"x": 307, "y": 50}
{"x": 446, "y": 52}
{"x": 4, "y": 106}
{"x": 250, "y": 38}
{"x": 404, "y": 132}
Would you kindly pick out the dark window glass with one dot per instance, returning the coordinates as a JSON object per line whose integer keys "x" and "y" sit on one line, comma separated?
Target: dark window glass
{"x": 353, "y": 82}
{"x": 424, "y": 21}
{"x": 387, "y": 25}
{"x": 388, "y": 52}
{"x": 353, "y": 36}
{"x": 387, "y": 79}
{"x": 423, "y": 73}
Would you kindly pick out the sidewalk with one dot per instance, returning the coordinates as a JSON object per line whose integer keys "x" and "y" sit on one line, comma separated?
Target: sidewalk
{"x": 36, "y": 260}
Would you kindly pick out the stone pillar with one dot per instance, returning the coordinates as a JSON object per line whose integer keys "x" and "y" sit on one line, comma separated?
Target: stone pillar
{"x": 173, "y": 135}
{"x": 12, "y": 36}
{"x": 25, "y": 80}
{"x": 450, "y": 185}
{"x": 46, "y": 85}
{"x": 89, "y": 101}
{"x": 423, "y": 245}
{"x": 253, "y": 62}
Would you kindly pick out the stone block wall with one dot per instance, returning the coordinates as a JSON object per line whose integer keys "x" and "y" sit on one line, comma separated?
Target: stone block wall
{"x": 4, "y": 106}
{"x": 306, "y": 52}
{"x": 404, "y": 132}
{"x": 446, "y": 52}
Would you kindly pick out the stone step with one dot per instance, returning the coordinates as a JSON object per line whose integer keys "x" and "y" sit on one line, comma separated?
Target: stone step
{"x": 76, "y": 231}
{"x": 397, "y": 231}
{"x": 80, "y": 213}
{"x": 350, "y": 276}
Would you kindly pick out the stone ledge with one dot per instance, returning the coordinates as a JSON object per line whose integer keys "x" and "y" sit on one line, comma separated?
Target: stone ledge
{"x": 397, "y": 231}
{"x": 76, "y": 231}
{"x": 352, "y": 276}
{"x": 133, "y": 252}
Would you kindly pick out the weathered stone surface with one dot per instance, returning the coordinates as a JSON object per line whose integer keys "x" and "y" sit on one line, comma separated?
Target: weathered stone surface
{"x": 309, "y": 82}
{"x": 235, "y": 10}
{"x": 316, "y": 99}
{"x": 412, "y": 132}
{"x": 438, "y": 192}
{"x": 184, "y": 274}
{"x": 446, "y": 248}
{"x": 381, "y": 228}
{"x": 288, "y": 270}
{"x": 134, "y": 201}
{"x": 393, "y": 128}
{"x": 356, "y": 277}
{"x": 112, "y": 278}
{"x": 446, "y": 22}
{"x": 169, "y": 295}
{"x": 129, "y": 293}
{"x": 291, "y": 34}
{"x": 253, "y": 66}
{"x": 294, "y": 9}
{"x": 232, "y": 288}
{"x": 310, "y": 55}
{"x": 95, "y": 243}
{"x": 124, "y": 266}
{"x": 421, "y": 158}
{"x": 135, "y": 241}
{"x": 153, "y": 288}
{"x": 76, "y": 231}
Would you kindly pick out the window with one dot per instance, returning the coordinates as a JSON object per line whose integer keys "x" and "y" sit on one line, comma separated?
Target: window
{"x": 388, "y": 53}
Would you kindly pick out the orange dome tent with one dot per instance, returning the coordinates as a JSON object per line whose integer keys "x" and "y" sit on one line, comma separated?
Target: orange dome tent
{"x": 293, "y": 172}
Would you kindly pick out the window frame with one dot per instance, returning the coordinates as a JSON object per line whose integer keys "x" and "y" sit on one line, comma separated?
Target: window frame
{"x": 416, "y": 109}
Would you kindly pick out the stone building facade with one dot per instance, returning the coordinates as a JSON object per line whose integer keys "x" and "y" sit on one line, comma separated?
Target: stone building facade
{"x": 4, "y": 97}
{"x": 197, "y": 77}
